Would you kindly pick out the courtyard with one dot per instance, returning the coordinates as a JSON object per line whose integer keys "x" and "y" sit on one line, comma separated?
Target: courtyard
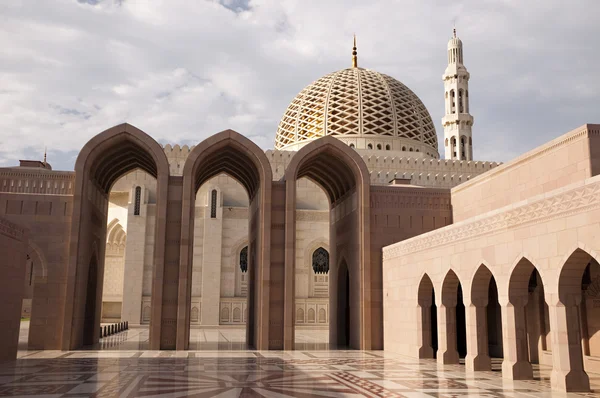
{"x": 218, "y": 365}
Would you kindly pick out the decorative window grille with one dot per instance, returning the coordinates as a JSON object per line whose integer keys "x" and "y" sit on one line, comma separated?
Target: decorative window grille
{"x": 138, "y": 197}
{"x": 320, "y": 261}
{"x": 213, "y": 204}
{"x": 244, "y": 259}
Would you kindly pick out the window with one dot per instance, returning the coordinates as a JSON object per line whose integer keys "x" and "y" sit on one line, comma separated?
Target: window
{"x": 138, "y": 198}
{"x": 244, "y": 259}
{"x": 379, "y": 146}
{"x": 410, "y": 150}
{"x": 320, "y": 261}
{"x": 351, "y": 145}
{"x": 403, "y": 149}
{"x": 213, "y": 204}
{"x": 387, "y": 147}
{"x": 370, "y": 146}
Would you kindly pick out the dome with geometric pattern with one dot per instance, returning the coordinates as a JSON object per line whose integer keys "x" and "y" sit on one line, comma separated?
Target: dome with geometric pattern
{"x": 363, "y": 108}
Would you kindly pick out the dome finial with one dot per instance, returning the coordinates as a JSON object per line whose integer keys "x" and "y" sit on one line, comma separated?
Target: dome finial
{"x": 354, "y": 57}
{"x": 454, "y": 31}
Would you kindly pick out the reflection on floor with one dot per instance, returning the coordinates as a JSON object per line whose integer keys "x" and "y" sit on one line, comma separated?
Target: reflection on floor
{"x": 118, "y": 371}
{"x": 200, "y": 339}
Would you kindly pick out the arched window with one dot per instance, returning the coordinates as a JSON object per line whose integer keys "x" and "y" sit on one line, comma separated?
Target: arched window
{"x": 452, "y": 102}
{"x": 137, "y": 201}
{"x": 387, "y": 147}
{"x": 410, "y": 150}
{"x": 467, "y": 101}
{"x": 351, "y": 145}
{"x": 403, "y": 148}
{"x": 244, "y": 259}
{"x": 370, "y": 146}
{"x": 320, "y": 261}
{"x": 379, "y": 146}
{"x": 446, "y": 141}
{"x": 213, "y": 204}
{"x": 460, "y": 101}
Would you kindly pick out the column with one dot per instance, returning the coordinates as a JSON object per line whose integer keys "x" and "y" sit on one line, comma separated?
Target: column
{"x": 447, "y": 350}
{"x": 478, "y": 357}
{"x": 211, "y": 264}
{"x": 133, "y": 269}
{"x": 516, "y": 365}
{"x": 567, "y": 374}
{"x": 424, "y": 323}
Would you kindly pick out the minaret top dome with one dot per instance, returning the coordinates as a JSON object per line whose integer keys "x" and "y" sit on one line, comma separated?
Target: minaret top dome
{"x": 454, "y": 42}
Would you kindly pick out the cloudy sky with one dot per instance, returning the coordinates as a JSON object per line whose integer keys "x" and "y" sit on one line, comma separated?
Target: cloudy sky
{"x": 183, "y": 70}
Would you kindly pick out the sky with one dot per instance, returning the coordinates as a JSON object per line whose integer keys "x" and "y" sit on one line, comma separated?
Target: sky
{"x": 184, "y": 70}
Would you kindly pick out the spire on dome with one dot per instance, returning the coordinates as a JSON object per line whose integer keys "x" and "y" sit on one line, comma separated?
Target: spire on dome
{"x": 454, "y": 32}
{"x": 45, "y": 154}
{"x": 354, "y": 57}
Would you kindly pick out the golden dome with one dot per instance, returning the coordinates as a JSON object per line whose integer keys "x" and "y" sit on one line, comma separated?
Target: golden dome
{"x": 364, "y": 108}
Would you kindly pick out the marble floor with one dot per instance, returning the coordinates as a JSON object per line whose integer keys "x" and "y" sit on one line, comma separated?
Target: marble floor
{"x": 117, "y": 369}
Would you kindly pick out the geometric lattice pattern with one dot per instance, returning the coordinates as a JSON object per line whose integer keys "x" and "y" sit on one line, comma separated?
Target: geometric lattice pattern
{"x": 356, "y": 101}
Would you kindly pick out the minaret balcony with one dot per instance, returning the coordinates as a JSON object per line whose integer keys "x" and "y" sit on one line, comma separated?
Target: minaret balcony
{"x": 457, "y": 117}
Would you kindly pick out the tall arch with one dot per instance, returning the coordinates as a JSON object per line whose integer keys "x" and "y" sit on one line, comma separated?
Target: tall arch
{"x": 344, "y": 177}
{"x": 105, "y": 158}
{"x": 231, "y": 153}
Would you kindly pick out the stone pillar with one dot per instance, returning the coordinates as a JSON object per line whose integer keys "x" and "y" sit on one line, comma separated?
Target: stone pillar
{"x": 424, "y": 323}
{"x": 478, "y": 357}
{"x": 211, "y": 262}
{"x": 133, "y": 270}
{"x": 516, "y": 365}
{"x": 447, "y": 351}
{"x": 567, "y": 374}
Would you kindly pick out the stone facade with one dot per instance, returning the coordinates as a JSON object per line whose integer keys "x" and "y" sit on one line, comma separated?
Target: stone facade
{"x": 516, "y": 276}
{"x": 13, "y": 251}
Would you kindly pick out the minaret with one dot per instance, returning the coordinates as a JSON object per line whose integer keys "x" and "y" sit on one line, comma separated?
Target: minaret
{"x": 457, "y": 121}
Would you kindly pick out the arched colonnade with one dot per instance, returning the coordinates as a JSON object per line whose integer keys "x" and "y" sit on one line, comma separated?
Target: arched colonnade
{"x": 111, "y": 154}
{"x": 517, "y": 317}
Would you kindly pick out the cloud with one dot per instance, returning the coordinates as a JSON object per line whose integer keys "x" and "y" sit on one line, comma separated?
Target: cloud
{"x": 182, "y": 71}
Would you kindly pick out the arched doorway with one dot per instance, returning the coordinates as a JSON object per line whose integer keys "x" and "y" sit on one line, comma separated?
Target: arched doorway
{"x": 344, "y": 177}
{"x": 428, "y": 319}
{"x": 451, "y": 321}
{"x": 234, "y": 155}
{"x": 102, "y": 161}
{"x": 483, "y": 321}
{"x": 571, "y": 350}
{"x": 522, "y": 281}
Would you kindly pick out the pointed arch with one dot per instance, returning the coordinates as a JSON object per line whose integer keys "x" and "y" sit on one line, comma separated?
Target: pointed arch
{"x": 480, "y": 283}
{"x": 103, "y": 159}
{"x": 235, "y": 155}
{"x": 449, "y": 288}
{"x": 571, "y": 272}
{"x": 344, "y": 176}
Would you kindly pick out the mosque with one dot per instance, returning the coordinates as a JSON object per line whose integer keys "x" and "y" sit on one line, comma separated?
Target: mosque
{"x": 353, "y": 225}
